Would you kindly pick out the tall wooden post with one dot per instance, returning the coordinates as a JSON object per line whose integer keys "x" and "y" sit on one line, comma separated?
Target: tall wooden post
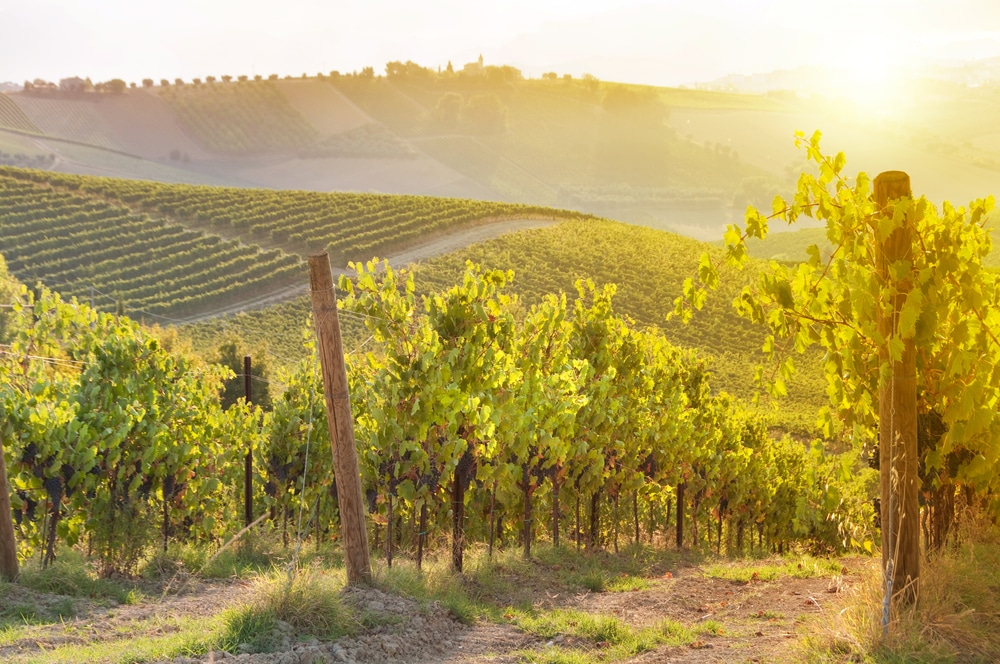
{"x": 248, "y": 462}
{"x": 341, "y": 424}
{"x": 899, "y": 482}
{"x": 8, "y": 546}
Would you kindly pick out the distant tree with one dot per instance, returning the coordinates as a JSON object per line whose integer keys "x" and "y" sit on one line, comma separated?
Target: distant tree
{"x": 272, "y": 77}
{"x": 567, "y": 77}
{"x": 147, "y": 82}
{"x": 320, "y": 75}
{"x": 178, "y": 81}
{"x": 258, "y": 77}
{"x": 226, "y": 78}
{"x": 550, "y": 76}
{"x": 210, "y": 79}
{"x": 448, "y": 111}
{"x": 242, "y": 78}
{"x": 394, "y": 68}
{"x": 132, "y": 85}
{"x": 502, "y": 74}
{"x": 334, "y": 74}
{"x": 368, "y": 72}
{"x": 116, "y": 86}
{"x": 304, "y": 76}
{"x": 450, "y": 69}
{"x": 28, "y": 86}
{"x": 592, "y": 82}
{"x": 486, "y": 114}
{"x": 164, "y": 83}
{"x": 196, "y": 81}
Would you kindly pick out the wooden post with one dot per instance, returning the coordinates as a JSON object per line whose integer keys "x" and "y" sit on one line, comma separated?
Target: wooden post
{"x": 341, "y": 424}
{"x": 8, "y": 547}
{"x": 899, "y": 482}
{"x": 248, "y": 462}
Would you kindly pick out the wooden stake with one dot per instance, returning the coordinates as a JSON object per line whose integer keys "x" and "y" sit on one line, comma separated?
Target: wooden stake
{"x": 341, "y": 423}
{"x": 899, "y": 483}
{"x": 248, "y": 462}
{"x": 8, "y": 546}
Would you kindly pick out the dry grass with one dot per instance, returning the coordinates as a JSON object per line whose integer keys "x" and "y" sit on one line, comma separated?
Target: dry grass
{"x": 956, "y": 617}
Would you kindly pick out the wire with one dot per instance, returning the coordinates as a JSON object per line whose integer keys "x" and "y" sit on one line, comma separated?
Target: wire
{"x": 305, "y": 471}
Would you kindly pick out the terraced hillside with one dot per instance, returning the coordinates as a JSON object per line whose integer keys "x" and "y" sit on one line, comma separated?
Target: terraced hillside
{"x": 80, "y": 121}
{"x": 349, "y": 226}
{"x": 12, "y": 117}
{"x": 240, "y": 118}
{"x": 86, "y": 247}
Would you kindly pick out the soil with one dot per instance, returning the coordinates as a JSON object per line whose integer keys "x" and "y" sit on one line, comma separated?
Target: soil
{"x": 432, "y": 247}
{"x": 756, "y": 621}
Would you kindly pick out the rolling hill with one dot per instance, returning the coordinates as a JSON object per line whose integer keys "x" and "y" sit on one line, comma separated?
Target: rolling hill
{"x": 169, "y": 252}
{"x": 677, "y": 159}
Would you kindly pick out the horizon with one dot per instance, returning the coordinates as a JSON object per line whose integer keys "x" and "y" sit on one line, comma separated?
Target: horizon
{"x": 657, "y": 43}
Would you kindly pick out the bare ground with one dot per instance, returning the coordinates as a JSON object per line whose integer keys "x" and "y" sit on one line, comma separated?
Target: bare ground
{"x": 756, "y": 621}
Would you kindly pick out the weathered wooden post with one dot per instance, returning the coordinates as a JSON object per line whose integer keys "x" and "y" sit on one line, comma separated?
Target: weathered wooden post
{"x": 341, "y": 424}
{"x": 899, "y": 482}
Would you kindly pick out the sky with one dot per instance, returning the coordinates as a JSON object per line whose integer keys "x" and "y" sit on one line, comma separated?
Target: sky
{"x": 666, "y": 42}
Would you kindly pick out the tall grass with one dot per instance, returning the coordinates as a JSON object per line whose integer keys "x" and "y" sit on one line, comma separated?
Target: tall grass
{"x": 956, "y": 617}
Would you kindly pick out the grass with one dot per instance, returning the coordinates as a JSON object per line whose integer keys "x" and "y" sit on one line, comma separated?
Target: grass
{"x": 71, "y": 576}
{"x": 770, "y": 569}
{"x": 956, "y": 617}
{"x": 306, "y": 604}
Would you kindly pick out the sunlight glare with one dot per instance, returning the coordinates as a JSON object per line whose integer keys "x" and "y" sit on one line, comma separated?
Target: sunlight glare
{"x": 871, "y": 75}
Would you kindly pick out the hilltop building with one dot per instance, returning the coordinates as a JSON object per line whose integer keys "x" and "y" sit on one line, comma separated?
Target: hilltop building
{"x": 474, "y": 68}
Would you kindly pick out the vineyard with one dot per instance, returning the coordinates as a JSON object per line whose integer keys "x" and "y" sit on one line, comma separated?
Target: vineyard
{"x": 626, "y": 435}
{"x": 89, "y": 248}
{"x": 348, "y": 226}
{"x": 241, "y": 118}
{"x": 369, "y": 140}
{"x": 72, "y": 120}
{"x": 12, "y": 117}
{"x": 506, "y": 396}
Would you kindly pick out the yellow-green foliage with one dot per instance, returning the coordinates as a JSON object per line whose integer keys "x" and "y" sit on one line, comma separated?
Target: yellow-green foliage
{"x": 649, "y": 267}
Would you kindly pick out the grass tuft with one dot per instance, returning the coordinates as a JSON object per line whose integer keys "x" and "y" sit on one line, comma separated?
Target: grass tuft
{"x": 308, "y": 602}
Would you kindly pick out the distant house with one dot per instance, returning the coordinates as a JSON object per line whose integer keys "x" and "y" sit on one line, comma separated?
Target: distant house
{"x": 475, "y": 68}
{"x": 74, "y": 84}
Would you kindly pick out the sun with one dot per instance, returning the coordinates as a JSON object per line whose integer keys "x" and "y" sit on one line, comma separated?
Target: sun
{"x": 871, "y": 76}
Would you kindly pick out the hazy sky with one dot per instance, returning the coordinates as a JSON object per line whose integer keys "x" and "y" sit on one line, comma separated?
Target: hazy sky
{"x": 665, "y": 42}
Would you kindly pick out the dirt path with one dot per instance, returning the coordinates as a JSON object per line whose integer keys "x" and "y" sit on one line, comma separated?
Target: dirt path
{"x": 434, "y": 247}
{"x": 734, "y": 621}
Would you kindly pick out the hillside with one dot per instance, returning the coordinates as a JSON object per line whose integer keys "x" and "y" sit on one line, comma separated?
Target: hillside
{"x": 648, "y": 267}
{"x": 180, "y": 251}
{"x": 172, "y": 250}
{"x": 676, "y": 159}
{"x": 588, "y": 145}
